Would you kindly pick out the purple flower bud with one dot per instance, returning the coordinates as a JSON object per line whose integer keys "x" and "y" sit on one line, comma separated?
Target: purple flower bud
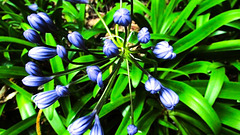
{"x": 95, "y": 74}
{"x": 168, "y": 98}
{"x": 47, "y": 98}
{"x": 81, "y": 125}
{"x": 42, "y": 53}
{"x": 153, "y": 85}
{"x": 32, "y": 36}
{"x": 78, "y": 1}
{"x": 49, "y": 22}
{"x": 33, "y": 7}
{"x": 132, "y": 129}
{"x": 110, "y": 49}
{"x": 164, "y": 51}
{"x": 33, "y": 69}
{"x": 97, "y": 128}
{"x": 61, "y": 52}
{"x": 122, "y": 17}
{"x": 76, "y": 39}
{"x": 34, "y": 81}
{"x": 144, "y": 35}
{"x": 37, "y": 22}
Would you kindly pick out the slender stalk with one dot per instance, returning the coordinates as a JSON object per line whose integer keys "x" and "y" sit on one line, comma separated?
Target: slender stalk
{"x": 105, "y": 25}
{"x": 38, "y": 127}
{"x": 108, "y": 87}
{"x": 136, "y": 63}
{"x": 125, "y": 38}
{"x": 82, "y": 63}
{"x": 130, "y": 92}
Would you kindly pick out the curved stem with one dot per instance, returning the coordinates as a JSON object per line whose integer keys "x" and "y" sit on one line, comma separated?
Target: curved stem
{"x": 108, "y": 87}
{"x": 136, "y": 63}
{"x": 130, "y": 92}
{"x": 38, "y": 127}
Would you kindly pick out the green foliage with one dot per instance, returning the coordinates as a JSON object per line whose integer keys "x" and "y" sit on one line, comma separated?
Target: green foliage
{"x": 205, "y": 73}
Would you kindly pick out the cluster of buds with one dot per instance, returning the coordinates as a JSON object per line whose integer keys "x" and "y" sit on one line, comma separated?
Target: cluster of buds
{"x": 42, "y": 23}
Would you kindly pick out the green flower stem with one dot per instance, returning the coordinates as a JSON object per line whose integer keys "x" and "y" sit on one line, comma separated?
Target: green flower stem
{"x": 130, "y": 92}
{"x": 125, "y": 38}
{"x": 80, "y": 50}
{"x": 136, "y": 63}
{"x": 57, "y": 74}
{"x": 82, "y": 63}
{"x": 137, "y": 44}
{"x": 80, "y": 79}
{"x": 183, "y": 132}
{"x": 105, "y": 25}
{"x": 108, "y": 87}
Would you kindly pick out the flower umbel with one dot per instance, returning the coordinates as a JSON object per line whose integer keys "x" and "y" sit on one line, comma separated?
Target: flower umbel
{"x": 122, "y": 17}
{"x": 144, "y": 35}
{"x": 47, "y": 98}
{"x": 110, "y": 49}
{"x": 164, "y": 51}
{"x": 168, "y": 98}
{"x": 132, "y": 129}
{"x": 97, "y": 128}
{"x": 153, "y": 85}
{"x": 81, "y": 125}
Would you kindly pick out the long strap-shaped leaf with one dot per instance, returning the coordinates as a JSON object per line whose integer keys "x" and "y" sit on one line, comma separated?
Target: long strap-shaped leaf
{"x": 199, "y": 34}
{"x": 194, "y": 100}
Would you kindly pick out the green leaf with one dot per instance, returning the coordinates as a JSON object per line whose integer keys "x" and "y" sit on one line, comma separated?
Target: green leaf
{"x": 192, "y": 68}
{"x": 138, "y": 104}
{"x": 167, "y": 124}
{"x": 119, "y": 87}
{"x": 20, "y": 126}
{"x": 194, "y": 100}
{"x": 25, "y": 106}
{"x": 136, "y": 75}
{"x": 215, "y": 85}
{"x": 229, "y": 116}
{"x": 2, "y": 106}
{"x": 145, "y": 122}
{"x": 199, "y": 34}
{"x": 14, "y": 71}
{"x": 202, "y": 19}
{"x": 183, "y": 17}
{"x": 16, "y": 40}
{"x": 163, "y": 37}
{"x": 19, "y": 89}
{"x": 228, "y": 89}
{"x": 107, "y": 108}
{"x": 157, "y": 10}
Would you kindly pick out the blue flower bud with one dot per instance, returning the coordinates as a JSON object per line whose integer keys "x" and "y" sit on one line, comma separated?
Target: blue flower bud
{"x": 97, "y": 128}
{"x": 33, "y": 69}
{"x": 33, "y": 7}
{"x": 110, "y": 49}
{"x": 164, "y": 51}
{"x": 144, "y": 35}
{"x": 48, "y": 20}
{"x": 122, "y": 17}
{"x": 37, "y": 23}
{"x": 78, "y": 1}
{"x": 61, "y": 52}
{"x": 132, "y": 129}
{"x": 153, "y": 85}
{"x": 47, "y": 98}
{"x": 81, "y": 125}
{"x": 168, "y": 98}
{"x": 95, "y": 74}
{"x": 32, "y": 36}
{"x": 76, "y": 39}
{"x": 34, "y": 81}
{"x": 42, "y": 53}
